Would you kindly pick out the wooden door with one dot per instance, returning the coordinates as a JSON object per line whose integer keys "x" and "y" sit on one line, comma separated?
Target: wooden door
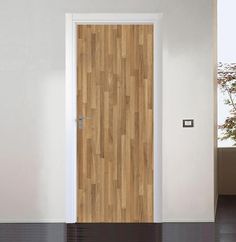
{"x": 115, "y": 131}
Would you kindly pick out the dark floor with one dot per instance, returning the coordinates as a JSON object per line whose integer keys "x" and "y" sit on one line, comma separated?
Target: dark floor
{"x": 226, "y": 219}
{"x": 224, "y": 230}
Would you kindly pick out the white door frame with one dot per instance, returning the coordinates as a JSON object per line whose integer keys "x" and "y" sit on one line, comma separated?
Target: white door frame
{"x": 72, "y": 20}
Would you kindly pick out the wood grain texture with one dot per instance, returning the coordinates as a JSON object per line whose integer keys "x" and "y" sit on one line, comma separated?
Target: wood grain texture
{"x": 115, "y": 146}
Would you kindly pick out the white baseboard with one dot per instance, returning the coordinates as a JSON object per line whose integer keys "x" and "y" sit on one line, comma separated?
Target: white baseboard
{"x": 189, "y": 221}
{"x": 32, "y": 221}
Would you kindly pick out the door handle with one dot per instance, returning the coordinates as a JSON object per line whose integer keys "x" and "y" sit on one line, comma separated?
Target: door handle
{"x": 81, "y": 117}
{"x": 81, "y": 121}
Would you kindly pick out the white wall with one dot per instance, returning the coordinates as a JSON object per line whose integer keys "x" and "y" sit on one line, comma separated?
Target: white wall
{"x": 32, "y": 128}
{"x": 188, "y": 92}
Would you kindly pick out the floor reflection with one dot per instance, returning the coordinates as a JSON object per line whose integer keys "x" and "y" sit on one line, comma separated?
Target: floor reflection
{"x": 33, "y": 232}
{"x": 171, "y": 232}
{"x": 115, "y": 232}
{"x": 223, "y": 230}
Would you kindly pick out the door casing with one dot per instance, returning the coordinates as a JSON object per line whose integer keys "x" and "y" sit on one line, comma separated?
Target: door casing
{"x": 72, "y": 20}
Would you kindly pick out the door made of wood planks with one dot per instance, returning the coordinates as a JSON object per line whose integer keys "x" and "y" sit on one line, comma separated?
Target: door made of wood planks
{"x": 115, "y": 123}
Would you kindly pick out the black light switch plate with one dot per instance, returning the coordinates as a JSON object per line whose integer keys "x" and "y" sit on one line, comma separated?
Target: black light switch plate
{"x": 188, "y": 123}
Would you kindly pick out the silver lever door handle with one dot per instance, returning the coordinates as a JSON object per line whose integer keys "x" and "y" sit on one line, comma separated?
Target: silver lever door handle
{"x": 81, "y": 117}
{"x": 81, "y": 121}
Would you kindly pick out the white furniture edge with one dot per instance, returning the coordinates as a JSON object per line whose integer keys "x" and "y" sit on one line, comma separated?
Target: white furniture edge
{"x": 72, "y": 20}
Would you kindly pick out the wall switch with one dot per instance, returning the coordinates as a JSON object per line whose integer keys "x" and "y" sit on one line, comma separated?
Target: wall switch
{"x": 188, "y": 123}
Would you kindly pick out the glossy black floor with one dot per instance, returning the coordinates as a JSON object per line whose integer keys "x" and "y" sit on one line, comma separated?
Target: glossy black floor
{"x": 224, "y": 230}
